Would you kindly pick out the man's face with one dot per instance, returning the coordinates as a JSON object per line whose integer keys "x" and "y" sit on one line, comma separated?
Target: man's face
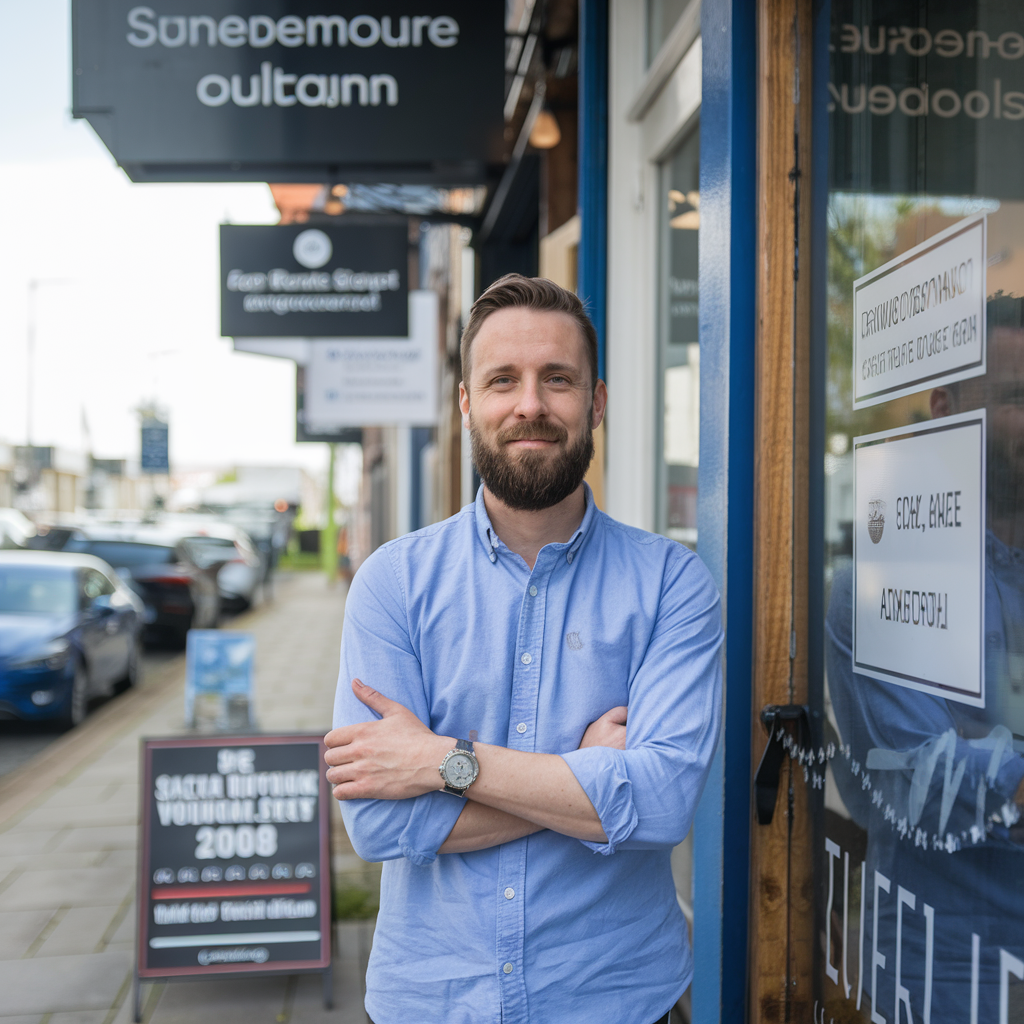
{"x": 531, "y": 407}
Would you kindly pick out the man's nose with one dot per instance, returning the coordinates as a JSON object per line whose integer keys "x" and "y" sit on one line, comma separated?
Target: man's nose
{"x": 530, "y": 400}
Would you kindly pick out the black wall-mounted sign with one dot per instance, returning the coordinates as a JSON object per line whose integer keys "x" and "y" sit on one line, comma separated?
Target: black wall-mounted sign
{"x": 234, "y": 870}
{"x": 295, "y": 281}
{"x": 293, "y": 90}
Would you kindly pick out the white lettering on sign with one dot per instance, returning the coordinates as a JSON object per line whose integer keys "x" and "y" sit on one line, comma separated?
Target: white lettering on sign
{"x": 919, "y": 320}
{"x": 273, "y": 86}
{"x": 147, "y": 28}
{"x": 919, "y": 557}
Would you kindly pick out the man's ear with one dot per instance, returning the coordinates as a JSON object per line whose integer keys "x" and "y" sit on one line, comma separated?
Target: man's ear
{"x": 940, "y": 404}
{"x": 464, "y": 404}
{"x": 599, "y": 405}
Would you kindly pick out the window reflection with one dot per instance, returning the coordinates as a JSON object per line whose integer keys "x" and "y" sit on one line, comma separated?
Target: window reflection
{"x": 920, "y": 909}
{"x": 680, "y": 352}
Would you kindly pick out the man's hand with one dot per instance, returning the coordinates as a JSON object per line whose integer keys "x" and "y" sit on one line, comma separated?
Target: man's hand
{"x": 390, "y": 759}
{"x": 608, "y": 731}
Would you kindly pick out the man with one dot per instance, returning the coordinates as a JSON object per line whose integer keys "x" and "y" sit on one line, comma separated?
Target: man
{"x": 503, "y": 647}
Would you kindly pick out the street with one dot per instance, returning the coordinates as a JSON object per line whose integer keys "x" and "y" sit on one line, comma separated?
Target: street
{"x": 68, "y": 840}
{"x": 20, "y": 742}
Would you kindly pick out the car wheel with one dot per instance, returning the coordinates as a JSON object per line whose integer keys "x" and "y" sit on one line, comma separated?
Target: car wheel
{"x": 78, "y": 701}
{"x": 132, "y": 672}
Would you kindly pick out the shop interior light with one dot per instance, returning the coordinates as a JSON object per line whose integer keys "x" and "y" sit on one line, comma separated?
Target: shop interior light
{"x": 545, "y": 133}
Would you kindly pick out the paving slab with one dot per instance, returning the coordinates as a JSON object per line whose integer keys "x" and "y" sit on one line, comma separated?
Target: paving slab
{"x": 98, "y": 837}
{"x": 74, "y": 887}
{"x": 80, "y": 928}
{"x": 18, "y": 930}
{"x": 64, "y": 983}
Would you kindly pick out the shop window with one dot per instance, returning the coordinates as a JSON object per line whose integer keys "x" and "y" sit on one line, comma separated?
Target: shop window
{"x": 679, "y": 362}
{"x": 920, "y": 759}
{"x": 662, "y": 16}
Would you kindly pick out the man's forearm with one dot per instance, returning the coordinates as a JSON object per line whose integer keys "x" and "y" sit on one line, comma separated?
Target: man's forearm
{"x": 480, "y": 827}
{"x": 538, "y": 788}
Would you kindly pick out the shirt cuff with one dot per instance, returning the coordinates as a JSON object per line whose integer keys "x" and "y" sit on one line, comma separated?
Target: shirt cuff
{"x": 601, "y": 771}
{"x": 430, "y": 823}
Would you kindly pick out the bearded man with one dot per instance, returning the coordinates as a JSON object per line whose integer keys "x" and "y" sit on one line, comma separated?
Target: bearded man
{"x": 528, "y": 705}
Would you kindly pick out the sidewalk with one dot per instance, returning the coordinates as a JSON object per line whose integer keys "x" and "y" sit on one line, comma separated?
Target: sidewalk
{"x": 68, "y": 835}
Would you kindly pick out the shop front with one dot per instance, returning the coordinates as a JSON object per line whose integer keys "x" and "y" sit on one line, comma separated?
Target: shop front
{"x": 816, "y": 336}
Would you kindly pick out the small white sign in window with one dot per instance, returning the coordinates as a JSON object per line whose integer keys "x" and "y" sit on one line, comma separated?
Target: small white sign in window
{"x": 919, "y": 320}
{"x": 919, "y": 557}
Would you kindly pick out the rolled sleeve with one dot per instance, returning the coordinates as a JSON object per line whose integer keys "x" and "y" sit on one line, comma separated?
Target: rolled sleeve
{"x": 645, "y": 796}
{"x": 601, "y": 772}
{"x": 375, "y": 647}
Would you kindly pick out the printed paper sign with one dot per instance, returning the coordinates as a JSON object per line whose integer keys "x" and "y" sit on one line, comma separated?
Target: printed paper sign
{"x": 357, "y": 383}
{"x": 919, "y": 320}
{"x": 919, "y": 557}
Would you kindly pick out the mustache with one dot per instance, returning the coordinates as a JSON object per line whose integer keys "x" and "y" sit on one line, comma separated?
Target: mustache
{"x": 540, "y": 431}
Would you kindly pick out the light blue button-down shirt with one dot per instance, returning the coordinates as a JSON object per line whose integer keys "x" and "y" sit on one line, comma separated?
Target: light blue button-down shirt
{"x": 546, "y": 929}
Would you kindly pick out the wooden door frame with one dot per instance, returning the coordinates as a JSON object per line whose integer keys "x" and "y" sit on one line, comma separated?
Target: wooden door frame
{"x": 781, "y": 953}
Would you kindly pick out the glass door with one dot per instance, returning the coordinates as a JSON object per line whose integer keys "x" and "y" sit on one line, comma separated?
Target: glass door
{"x": 919, "y": 894}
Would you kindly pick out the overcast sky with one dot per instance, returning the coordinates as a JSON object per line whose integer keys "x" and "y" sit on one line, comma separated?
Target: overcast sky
{"x": 128, "y": 303}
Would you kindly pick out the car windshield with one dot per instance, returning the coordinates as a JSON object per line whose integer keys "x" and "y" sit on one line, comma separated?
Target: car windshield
{"x": 208, "y": 550}
{"x": 123, "y": 554}
{"x": 37, "y": 590}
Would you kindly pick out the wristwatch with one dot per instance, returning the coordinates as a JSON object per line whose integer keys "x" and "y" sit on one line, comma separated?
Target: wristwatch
{"x": 459, "y": 768}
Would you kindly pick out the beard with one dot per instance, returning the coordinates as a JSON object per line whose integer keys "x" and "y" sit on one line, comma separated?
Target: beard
{"x": 529, "y": 481}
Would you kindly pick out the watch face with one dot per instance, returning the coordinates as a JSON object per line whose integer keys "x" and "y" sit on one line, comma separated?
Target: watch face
{"x": 460, "y": 771}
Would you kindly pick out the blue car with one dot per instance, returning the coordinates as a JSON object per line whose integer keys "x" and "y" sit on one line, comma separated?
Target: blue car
{"x": 70, "y": 630}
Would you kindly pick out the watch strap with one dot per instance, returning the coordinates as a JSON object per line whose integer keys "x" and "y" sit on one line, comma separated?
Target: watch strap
{"x": 464, "y": 745}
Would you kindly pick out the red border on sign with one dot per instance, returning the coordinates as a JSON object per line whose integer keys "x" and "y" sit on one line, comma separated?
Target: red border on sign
{"x": 143, "y": 887}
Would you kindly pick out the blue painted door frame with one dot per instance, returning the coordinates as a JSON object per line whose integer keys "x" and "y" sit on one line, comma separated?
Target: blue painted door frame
{"x": 725, "y": 500}
{"x": 728, "y": 244}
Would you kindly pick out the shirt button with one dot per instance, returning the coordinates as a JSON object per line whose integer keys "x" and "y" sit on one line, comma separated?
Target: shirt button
{"x": 568, "y": 558}
{"x": 521, "y": 728}
{"x": 508, "y": 968}
{"x": 533, "y": 591}
{"x": 510, "y": 894}
{"x": 526, "y": 658}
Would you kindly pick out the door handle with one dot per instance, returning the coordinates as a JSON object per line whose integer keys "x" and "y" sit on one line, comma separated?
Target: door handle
{"x": 783, "y": 721}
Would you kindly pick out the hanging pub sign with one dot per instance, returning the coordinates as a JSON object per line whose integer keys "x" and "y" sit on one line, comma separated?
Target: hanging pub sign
{"x": 234, "y": 865}
{"x": 324, "y": 282}
{"x": 293, "y": 90}
{"x": 926, "y": 104}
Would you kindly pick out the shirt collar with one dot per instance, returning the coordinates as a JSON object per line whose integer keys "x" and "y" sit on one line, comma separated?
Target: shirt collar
{"x": 493, "y": 545}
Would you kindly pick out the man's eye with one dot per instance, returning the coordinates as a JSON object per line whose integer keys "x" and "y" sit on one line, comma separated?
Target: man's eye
{"x": 559, "y": 379}
{"x": 502, "y": 380}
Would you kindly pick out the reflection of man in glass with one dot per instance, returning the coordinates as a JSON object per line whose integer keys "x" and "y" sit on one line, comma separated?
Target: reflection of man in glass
{"x": 944, "y": 794}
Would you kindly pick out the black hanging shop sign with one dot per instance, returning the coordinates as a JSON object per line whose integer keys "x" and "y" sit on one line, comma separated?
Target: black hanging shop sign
{"x": 234, "y": 871}
{"x": 296, "y": 281}
{"x": 293, "y": 90}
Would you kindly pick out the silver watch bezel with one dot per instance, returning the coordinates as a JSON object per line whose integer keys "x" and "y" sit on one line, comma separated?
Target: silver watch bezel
{"x": 444, "y": 764}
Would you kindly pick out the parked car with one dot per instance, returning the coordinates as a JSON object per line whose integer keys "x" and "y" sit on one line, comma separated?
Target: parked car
{"x": 176, "y": 582}
{"x": 238, "y": 563}
{"x": 69, "y": 631}
{"x": 16, "y": 529}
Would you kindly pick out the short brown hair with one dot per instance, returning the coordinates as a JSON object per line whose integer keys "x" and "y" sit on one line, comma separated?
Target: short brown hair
{"x": 516, "y": 291}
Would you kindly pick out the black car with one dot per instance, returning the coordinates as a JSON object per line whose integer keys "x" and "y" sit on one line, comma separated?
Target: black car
{"x": 176, "y": 584}
{"x": 69, "y": 631}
